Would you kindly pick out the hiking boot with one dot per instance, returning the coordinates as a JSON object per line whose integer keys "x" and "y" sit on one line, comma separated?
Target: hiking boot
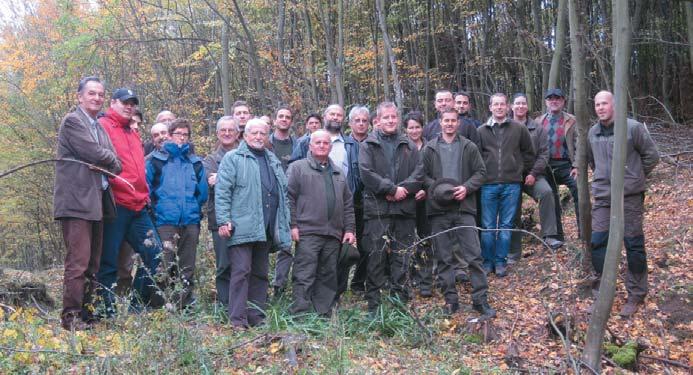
{"x": 514, "y": 258}
{"x": 501, "y": 270}
{"x": 452, "y": 308}
{"x": 553, "y": 243}
{"x": 425, "y": 293}
{"x": 485, "y": 310}
{"x": 488, "y": 269}
{"x": 630, "y": 308}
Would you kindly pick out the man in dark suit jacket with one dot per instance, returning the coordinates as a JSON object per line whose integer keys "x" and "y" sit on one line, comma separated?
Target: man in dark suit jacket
{"x": 82, "y": 199}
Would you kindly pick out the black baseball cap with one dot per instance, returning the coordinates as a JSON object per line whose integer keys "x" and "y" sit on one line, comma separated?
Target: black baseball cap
{"x": 124, "y": 94}
{"x": 554, "y": 92}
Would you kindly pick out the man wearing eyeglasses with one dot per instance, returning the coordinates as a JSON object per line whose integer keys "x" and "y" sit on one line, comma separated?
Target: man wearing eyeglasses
{"x": 178, "y": 187}
{"x": 132, "y": 223}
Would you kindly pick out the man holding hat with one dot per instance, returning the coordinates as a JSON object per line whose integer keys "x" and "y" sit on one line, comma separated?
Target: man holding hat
{"x": 561, "y": 128}
{"x": 453, "y": 170}
{"x": 132, "y": 223}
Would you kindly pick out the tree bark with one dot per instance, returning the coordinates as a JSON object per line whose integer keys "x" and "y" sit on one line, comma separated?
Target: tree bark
{"x": 281, "y": 20}
{"x": 538, "y": 30}
{"x": 602, "y": 310}
{"x": 329, "y": 51}
{"x": 689, "y": 24}
{"x": 225, "y": 94}
{"x": 527, "y": 68}
{"x": 555, "y": 71}
{"x": 311, "y": 55}
{"x": 254, "y": 58}
{"x": 399, "y": 97}
{"x": 339, "y": 80}
{"x": 577, "y": 55}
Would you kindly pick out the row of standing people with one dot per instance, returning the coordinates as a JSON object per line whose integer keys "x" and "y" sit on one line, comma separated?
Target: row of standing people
{"x": 379, "y": 176}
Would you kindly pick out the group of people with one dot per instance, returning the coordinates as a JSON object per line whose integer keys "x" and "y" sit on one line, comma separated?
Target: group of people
{"x": 402, "y": 202}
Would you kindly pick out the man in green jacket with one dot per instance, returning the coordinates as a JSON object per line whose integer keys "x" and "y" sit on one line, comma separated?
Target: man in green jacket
{"x": 252, "y": 211}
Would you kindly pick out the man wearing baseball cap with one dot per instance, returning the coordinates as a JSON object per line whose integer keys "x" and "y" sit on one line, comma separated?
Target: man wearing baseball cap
{"x": 561, "y": 128}
{"x": 132, "y": 223}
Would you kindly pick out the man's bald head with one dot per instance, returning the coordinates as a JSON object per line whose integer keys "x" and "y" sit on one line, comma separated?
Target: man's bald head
{"x": 159, "y": 132}
{"x": 604, "y": 107}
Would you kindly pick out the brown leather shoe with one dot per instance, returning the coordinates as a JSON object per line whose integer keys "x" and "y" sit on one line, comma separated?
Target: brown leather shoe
{"x": 630, "y": 308}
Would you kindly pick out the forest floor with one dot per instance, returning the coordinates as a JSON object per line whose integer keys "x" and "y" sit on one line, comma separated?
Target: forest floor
{"x": 416, "y": 339}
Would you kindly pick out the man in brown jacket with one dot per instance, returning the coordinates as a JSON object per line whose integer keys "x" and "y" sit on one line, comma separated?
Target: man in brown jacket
{"x": 322, "y": 218}
{"x": 82, "y": 199}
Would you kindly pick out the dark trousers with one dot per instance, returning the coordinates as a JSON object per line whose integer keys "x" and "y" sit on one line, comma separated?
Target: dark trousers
{"x": 388, "y": 242}
{"x": 282, "y": 267}
{"x": 223, "y": 268}
{"x": 180, "y": 251}
{"x": 633, "y": 240}
{"x": 137, "y": 229}
{"x": 358, "y": 282}
{"x": 558, "y": 173}
{"x": 315, "y": 274}
{"x": 83, "y": 244}
{"x": 422, "y": 269}
{"x": 125, "y": 263}
{"x": 471, "y": 250}
{"x": 249, "y": 282}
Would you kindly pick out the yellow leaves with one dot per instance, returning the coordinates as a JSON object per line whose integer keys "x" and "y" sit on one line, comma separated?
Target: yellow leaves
{"x": 275, "y": 347}
{"x": 10, "y": 334}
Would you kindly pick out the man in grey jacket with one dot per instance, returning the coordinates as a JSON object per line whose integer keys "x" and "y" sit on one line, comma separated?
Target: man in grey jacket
{"x": 82, "y": 199}
{"x": 322, "y": 218}
{"x": 641, "y": 158}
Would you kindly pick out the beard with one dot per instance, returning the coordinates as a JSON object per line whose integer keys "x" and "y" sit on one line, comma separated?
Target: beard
{"x": 333, "y": 127}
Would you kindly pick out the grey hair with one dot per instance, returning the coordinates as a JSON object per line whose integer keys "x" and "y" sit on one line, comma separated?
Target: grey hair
{"x": 357, "y": 110}
{"x": 332, "y": 106}
{"x": 230, "y": 119}
{"x": 83, "y": 82}
{"x": 254, "y": 122}
{"x": 319, "y": 132}
{"x": 165, "y": 112}
{"x": 384, "y": 105}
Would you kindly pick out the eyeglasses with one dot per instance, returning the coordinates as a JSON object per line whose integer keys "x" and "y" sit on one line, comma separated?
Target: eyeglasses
{"x": 182, "y": 135}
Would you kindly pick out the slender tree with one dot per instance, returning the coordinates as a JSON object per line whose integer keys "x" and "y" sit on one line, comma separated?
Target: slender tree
{"x": 607, "y": 289}
{"x": 555, "y": 71}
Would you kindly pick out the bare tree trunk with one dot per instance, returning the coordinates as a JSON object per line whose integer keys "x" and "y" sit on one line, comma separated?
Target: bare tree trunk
{"x": 311, "y": 54}
{"x": 329, "y": 49}
{"x": 339, "y": 80}
{"x": 577, "y": 55}
{"x": 536, "y": 15}
{"x": 252, "y": 53}
{"x": 225, "y": 94}
{"x": 281, "y": 20}
{"x": 555, "y": 71}
{"x": 399, "y": 97}
{"x": 527, "y": 68}
{"x": 607, "y": 289}
{"x": 689, "y": 23}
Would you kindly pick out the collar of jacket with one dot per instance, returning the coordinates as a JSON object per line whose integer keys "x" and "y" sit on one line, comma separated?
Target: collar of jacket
{"x": 315, "y": 165}
{"x": 433, "y": 143}
{"x": 373, "y": 138}
{"x": 606, "y": 130}
{"x": 171, "y": 149}
{"x": 491, "y": 121}
{"x": 117, "y": 119}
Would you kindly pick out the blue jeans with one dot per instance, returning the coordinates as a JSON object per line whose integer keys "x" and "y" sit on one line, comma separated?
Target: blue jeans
{"x": 138, "y": 230}
{"x": 498, "y": 207}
